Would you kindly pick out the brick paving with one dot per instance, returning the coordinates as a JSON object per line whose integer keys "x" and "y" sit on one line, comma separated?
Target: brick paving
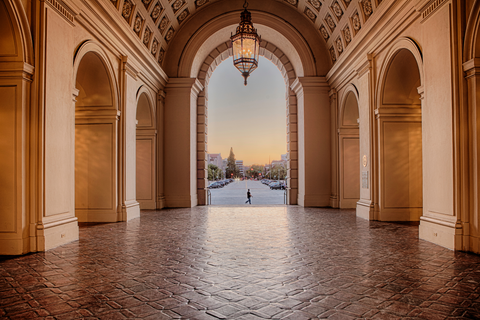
{"x": 243, "y": 263}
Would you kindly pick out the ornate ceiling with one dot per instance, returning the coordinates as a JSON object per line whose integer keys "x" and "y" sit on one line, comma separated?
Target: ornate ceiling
{"x": 156, "y": 21}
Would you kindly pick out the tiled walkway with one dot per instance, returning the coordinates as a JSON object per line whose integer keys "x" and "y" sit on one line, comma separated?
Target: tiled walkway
{"x": 243, "y": 263}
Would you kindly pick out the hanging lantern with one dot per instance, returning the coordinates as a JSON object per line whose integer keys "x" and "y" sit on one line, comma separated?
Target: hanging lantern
{"x": 245, "y": 45}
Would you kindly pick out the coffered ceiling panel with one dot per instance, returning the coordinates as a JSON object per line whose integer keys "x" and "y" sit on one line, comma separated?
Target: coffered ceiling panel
{"x": 156, "y": 21}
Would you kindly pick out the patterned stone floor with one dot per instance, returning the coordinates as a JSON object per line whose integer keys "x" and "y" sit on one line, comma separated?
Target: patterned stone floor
{"x": 243, "y": 263}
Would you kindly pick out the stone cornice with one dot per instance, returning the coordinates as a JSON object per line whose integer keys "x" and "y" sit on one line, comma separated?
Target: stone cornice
{"x": 428, "y": 7}
{"x": 65, "y": 11}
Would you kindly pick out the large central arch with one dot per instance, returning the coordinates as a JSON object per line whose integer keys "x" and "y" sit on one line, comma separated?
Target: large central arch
{"x": 303, "y": 60}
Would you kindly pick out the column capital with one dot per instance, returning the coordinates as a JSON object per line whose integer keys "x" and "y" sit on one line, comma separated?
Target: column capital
{"x": 75, "y": 93}
{"x": 365, "y": 66}
{"x": 184, "y": 83}
{"x": 303, "y": 83}
{"x": 129, "y": 68}
{"x": 471, "y": 67}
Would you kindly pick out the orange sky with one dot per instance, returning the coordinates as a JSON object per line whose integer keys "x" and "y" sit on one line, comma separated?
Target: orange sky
{"x": 251, "y": 119}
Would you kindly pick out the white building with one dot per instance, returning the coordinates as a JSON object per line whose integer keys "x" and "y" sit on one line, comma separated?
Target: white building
{"x": 215, "y": 159}
{"x": 239, "y": 164}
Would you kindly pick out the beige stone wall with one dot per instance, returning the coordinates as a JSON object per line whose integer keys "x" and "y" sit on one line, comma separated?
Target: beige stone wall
{"x": 73, "y": 149}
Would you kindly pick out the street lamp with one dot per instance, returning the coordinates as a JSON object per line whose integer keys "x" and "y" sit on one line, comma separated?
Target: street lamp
{"x": 245, "y": 44}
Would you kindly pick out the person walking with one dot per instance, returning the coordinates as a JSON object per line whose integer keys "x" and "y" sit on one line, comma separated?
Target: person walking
{"x": 249, "y": 196}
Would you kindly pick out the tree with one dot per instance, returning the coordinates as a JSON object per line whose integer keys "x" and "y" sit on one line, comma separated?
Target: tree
{"x": 231, "y": 166}
{"x": 212, "y": 172}
{"x": 279, "y": 171}
{"x": 256, "y": 171}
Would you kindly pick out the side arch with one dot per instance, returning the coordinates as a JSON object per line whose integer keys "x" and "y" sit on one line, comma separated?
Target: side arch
{"x": 398, "y": 160}
{"x": 146, "y": 150}
{"x": 349, "y": 90}
{"x": 349, "y": 148}
{"x": 98, "y": 183}
{"x": 403, "y": 43}
{"x": 90, "y": 46}
{"x": 21, "y": 211}
{"x": 147, "y": 94}
{"x": 469, "y": 157}
{"x": 19, "y": 44}
{"x": 471, "y": 47}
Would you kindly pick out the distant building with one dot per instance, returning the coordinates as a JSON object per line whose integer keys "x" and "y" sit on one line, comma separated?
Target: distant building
{"x": 239, "y": 164}
{"x": 224, "y": 166}
{"x": 284, "y": 157}
{"x": 278, "y": 163}
{"x": 215, "y": 159}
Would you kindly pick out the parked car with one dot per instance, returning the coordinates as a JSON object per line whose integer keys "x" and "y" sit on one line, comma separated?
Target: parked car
{"x": 277, "y": 186}
{"x": 215, "y": 185}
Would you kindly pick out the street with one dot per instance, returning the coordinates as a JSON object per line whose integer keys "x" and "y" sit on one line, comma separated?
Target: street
{"x": 236, "y": 194}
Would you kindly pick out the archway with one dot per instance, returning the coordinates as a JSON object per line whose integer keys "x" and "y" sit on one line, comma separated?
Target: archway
{"x": 305, "y": 59}
{"x": 399, "y": 129}
{"x": 349, "y": 151}
{"x": 96, "y": 127}
{"x": 18, "y": 158}
{"x": 146, "y": 153}
{"x": 469, "y": 156}
{"x": 250, "y": 122}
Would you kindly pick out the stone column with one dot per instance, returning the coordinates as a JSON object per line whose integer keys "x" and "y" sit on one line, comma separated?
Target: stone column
{"x": 314, "y": 160}
{"x": 160, "y": 149}
{"x": 441, "y": 204}
{"x": 366, "y": 205}
{"x": 292, "y": 148}
{"x": 180, "y": 156}
{"x": 130, "y": 208}
{"x": 334, "y": 198}
{"x": 202, "y": 161}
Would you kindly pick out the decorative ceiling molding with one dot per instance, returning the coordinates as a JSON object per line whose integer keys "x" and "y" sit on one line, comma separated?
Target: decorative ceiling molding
{"x": 338, "y": 21}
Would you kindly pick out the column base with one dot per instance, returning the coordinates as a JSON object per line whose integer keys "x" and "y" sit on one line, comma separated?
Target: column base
{"x": 147, "y": 205}
{"x": 334, "y": 203}
{"x": 314, "y": 200}
{"x": 160, "y": 203}
{"x": 132, "y": 210}
{"x": 54, "y": 234}
{"x": 365, "y": 209}
{"x": 181, "y": 201}
{"x": 444, "y": 233}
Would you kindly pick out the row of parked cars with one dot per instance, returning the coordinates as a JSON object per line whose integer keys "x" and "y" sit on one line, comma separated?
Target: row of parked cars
{"x": 220, "y": 183}
{"x": 274, "y": 185}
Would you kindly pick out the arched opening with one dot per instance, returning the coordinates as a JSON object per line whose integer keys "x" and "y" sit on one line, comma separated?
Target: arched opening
{"x": 252, "y": 121}
{"x": 303, "y": 59}
{"x": 289, "y": 74}
{"x": 16, "y": 149}
{"x": 349, "y": 149}
{"x": 399, "y": 120}
{"x": 470, "y": 136}
{"x": 145, "y": 153}
{"x": 96, "y": 120}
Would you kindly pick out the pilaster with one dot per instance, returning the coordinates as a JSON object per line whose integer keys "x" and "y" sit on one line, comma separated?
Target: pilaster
{"x": 334, "y": 197}
{"x": 314, "y": 142}
{"x": 160, "y": 149}
{"x": 181, "y": 142}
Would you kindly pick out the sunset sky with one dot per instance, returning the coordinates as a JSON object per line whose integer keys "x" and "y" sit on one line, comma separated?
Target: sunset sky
{"x": 251, "y": 119}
